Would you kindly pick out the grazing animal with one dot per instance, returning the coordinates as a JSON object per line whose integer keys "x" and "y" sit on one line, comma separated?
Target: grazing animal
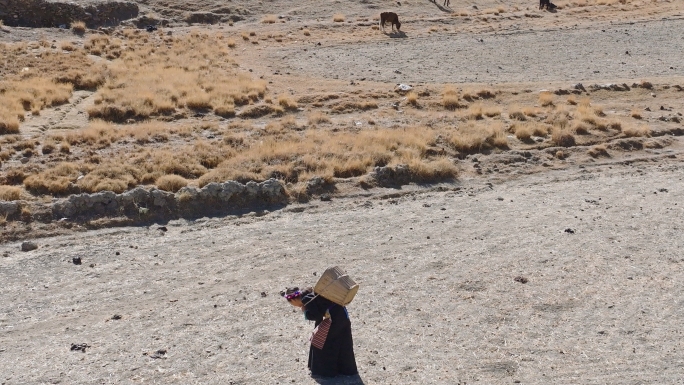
{"x": 546, "y": 4}
{"x": 389, "y": 17}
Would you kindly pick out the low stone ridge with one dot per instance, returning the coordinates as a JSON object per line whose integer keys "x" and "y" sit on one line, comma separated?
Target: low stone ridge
{"x": 50, "y": 14}
{"x": 188, "y": 201}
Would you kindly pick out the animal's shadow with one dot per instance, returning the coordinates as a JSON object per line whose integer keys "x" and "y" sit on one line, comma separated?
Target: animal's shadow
{"x": 339, "y": 380}
{"x": 396, "y": 35}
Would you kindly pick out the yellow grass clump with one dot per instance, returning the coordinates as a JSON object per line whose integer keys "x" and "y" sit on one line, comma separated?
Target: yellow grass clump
{"x": 450, "y": 98}
{"x": 269, "y": 19}
{"x": 318, "y": 117}
{"x": 635, "y": 113}
{"x": 546, "y": 99}
{"x": 563, "y": 138}
{"x": 477, "y": 136}
{"x": 171, "y": 183}
{"x": 32, "y": 94}
{"x": 10, "y": 193}
{"x": 141, "y": 85}
{"x": 412, "y": 98}
{"x": 78, "y": 27}
{"x": 338, "y": 18}
{"x": 636, "y": 131}
{"x": 306, "y": 32}
{"x": 287, "y": 102}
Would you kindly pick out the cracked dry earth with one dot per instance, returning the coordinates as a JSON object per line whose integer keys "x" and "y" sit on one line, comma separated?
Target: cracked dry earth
{"x": 442, "y": 297}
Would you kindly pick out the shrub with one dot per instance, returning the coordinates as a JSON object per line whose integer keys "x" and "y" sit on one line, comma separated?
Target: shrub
{"x": 450, "y": 99}
{"x": 171, "y": 183}
{"x": 412, "y": 98}
{"x": 306, "y": 32}
{"x": 546, "y": 99}
{"x": 10, "y": 193}
{"x": 287, "y": 103}
{"x": 562, "y": 138}
{"x": 635, "y": 113}
{"x": 269, "y": 19}
{"x": 598, "y": 151}
{"x": 338, "y": 18}
{"x": 78, "y": 27}
{"x": 636, "y": 131}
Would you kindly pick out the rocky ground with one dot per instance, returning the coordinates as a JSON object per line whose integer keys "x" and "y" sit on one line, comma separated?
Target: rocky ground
{"x": 568, "y": 276}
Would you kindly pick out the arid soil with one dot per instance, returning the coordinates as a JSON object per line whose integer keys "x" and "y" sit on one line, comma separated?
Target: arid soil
{"x": 598, "y": 247}
{"x": 532, "y": 267}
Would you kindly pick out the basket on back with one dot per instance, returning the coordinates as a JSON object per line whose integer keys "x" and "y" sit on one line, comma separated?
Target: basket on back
{"x": 336, "y": 286}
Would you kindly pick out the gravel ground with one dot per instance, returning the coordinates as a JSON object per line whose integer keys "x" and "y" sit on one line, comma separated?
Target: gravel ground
{"x": 593, "y": 53}
{"x": 600, "y": 248}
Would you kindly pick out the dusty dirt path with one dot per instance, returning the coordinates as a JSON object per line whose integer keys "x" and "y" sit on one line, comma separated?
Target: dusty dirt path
{"x": 438, "y": 303}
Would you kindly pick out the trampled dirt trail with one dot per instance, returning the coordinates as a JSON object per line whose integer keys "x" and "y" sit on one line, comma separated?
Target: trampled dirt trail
{"x": 439, "y": 303}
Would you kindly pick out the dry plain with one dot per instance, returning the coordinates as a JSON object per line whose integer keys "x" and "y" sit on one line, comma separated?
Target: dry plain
{"x": 517, "y": 174}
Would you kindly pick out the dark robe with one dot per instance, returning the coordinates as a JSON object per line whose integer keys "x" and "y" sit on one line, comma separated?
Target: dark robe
{"x": 337, "y": 355}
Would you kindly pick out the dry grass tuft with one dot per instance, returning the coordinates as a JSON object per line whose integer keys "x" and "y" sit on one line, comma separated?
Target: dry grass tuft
{"x": 269, "y": 19}
{"x": 33, "y": 94}
{"x": 476, "y": 136}
{"x": 318, "y": 117}
{"x": 306, "y": 32}
{"x": 450, "y": 99}
{"x": 78, "y": 27}
{"x": 523, "y": 132}
{"x": 10, "y": 193}
{"x": 598, "y": 151}
{"x": 287, "y": 102}
{"x": 412, "y": 98}
{"x": 563, "y": 138}
{"x": 546, "y": 99}
{"x": 171, "y": 183}
{"x": 637, "y": 131}
{"x": 516, "y": 112}
{"x": 572, "y": 100}
{"x": 636, "y": 114}
{"x": 645, "y": 84}
{"x": 231, "y": 43}
{"x": 142, "y": 85}
{"x": 338, "y": 18}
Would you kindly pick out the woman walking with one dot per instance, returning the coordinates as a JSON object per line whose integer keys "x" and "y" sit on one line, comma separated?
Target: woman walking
{"x": 331, "y": 353}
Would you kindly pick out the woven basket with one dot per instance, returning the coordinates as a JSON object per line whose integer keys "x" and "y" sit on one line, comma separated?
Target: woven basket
{"x": 336, "y": 286}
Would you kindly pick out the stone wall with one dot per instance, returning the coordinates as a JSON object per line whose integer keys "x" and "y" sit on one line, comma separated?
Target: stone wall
{"x": 46, "y": 14}
{"x": 213, "y": 198}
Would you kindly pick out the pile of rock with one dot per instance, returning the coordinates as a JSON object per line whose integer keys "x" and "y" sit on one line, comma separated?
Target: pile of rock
{"x": 188, "y": 201}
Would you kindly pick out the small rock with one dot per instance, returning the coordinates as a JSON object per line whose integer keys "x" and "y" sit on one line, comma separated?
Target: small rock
{"x": 163, "y": 229}
{"x": 116, "y": 317}
{"x": 76, "y": 260}
{"x": 325, "y": 197}
{"x": 263, "y": 294}
{"x": 79, "y": 347}
{"x": 521, "y": 279}
{"x": 570, "y": 231}
{"x": 28, "y": 246}
{"x": 117, "y": 253}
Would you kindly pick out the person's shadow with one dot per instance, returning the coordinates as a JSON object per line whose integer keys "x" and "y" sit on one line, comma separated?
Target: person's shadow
{"x": 339, "y": 380}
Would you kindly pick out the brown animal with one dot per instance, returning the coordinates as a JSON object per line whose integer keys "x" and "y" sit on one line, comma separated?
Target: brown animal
{"x": 389, "y": 17}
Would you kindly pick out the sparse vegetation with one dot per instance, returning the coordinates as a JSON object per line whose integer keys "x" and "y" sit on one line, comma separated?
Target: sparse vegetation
{"x": 78, "y": 27}
{"x": 10, "y": 193}
{"x": 269, "y": 19}
{"x": 338, "y": 18}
